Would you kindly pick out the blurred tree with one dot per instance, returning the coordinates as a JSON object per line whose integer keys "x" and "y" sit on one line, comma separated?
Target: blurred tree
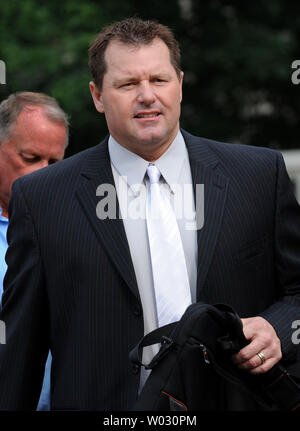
{"x": 236, "y": 57}
{"x": 44, "y": 46}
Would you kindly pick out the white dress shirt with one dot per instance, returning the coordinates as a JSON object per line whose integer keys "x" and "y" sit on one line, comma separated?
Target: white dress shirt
{"x": 131, "y": 185}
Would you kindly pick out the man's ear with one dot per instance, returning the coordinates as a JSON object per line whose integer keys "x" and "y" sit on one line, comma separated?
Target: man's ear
{"x": 180, "y": 82}
{"x": 97, "y": 97}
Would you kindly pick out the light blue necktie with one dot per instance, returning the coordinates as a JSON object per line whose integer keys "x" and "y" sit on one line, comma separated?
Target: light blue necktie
{"x": 170, "y": 277}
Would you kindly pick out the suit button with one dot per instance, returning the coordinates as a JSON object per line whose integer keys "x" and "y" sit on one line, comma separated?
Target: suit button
{"x": 138, "y": 310}
{"x": 135, "y": 369}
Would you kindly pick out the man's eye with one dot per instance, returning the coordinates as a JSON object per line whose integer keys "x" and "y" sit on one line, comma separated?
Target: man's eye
{"x": 159, "y": 81}
{"x": 30, "y": 159}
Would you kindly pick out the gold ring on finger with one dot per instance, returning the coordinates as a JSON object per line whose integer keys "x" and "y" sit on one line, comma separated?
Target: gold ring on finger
{"x": 261, "y": 357}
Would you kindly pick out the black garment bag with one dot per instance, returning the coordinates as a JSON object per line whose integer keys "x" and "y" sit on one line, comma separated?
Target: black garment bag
{"x": 193, "y": 366}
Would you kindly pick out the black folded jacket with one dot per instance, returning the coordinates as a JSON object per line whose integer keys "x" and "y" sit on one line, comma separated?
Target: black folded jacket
{"x": 193, "y": 364}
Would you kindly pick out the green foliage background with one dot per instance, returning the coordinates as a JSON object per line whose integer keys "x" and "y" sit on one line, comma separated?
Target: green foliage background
{"x": 236, "y": 56}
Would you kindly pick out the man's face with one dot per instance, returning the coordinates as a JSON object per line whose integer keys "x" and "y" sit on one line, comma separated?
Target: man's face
{"x": 140, "y": 96}
{"x": 35, "y": 142}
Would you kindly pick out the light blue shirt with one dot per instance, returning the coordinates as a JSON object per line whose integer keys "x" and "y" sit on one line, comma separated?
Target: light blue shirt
{"x": 44, "y": 401}
{"x": 3, "y": 248}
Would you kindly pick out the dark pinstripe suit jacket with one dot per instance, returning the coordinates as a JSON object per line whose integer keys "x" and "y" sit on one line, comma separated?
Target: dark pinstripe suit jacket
{"x": 71, "y": 285}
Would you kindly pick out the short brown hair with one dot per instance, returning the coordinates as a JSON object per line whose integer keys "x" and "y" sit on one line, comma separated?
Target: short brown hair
{"x": 131, "y": 31}
{"x": 16, "y": 102}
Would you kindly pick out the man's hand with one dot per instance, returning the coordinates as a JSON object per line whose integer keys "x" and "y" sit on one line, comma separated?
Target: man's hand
{"x": 264, "y": 350}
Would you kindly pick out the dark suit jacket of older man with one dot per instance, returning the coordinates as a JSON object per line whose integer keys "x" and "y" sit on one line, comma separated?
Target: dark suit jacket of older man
{"x": 71, "y": 284}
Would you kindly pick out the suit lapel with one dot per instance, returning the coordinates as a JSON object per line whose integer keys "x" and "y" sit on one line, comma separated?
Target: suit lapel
{"x": 97, "y": 171}
{"x": 204, "y": 167}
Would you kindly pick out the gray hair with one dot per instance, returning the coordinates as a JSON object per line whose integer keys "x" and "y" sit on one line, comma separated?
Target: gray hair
{"x": 11, "y": 107}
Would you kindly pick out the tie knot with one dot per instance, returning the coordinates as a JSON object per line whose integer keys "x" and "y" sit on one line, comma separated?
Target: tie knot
{"x": 153, "y": 174}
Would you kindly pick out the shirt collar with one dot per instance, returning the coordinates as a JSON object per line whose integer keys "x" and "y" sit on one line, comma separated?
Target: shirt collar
{"x": 2, "y": 218}
{"x": 129, "y": 166}
{"x": 170, "y": 163}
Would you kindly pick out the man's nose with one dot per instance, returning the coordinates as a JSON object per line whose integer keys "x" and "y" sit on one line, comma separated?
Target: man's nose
{"x": 146, "y": 94}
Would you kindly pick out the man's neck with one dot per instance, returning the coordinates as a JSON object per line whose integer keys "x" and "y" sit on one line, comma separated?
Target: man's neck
{"x": 4, "y": 208}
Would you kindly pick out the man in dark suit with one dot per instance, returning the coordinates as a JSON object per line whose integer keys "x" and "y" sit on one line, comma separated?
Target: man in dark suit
{"x": 80, "y": 276}
{"x": 33, "y": 134}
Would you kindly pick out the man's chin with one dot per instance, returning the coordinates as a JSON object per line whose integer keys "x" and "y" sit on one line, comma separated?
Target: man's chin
{"x": 154, "y": 139}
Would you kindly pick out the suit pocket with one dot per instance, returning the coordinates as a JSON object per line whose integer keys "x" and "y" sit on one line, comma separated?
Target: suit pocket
{"x": 251, "y": 251}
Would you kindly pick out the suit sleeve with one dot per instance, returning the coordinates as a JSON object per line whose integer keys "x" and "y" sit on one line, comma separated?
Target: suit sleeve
{"x": 287, "y": 264}
{"x": 24, "y": 312}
